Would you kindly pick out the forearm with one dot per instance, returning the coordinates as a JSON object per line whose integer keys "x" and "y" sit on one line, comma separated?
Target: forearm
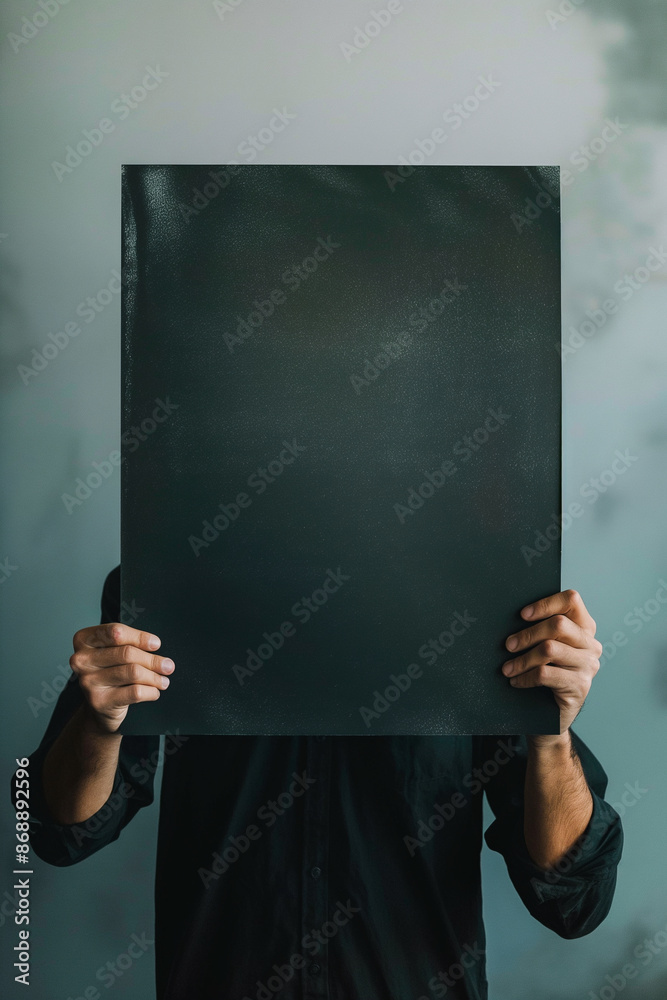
{"x": 557, "y": 800}
{"x": 79, "y": 769}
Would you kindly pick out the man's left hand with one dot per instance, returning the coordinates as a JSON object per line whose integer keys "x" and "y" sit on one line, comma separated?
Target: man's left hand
{"x": 560, "y": 651}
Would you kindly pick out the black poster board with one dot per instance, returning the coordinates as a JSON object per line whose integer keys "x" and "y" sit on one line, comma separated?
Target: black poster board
{"x": 341, "y": 432}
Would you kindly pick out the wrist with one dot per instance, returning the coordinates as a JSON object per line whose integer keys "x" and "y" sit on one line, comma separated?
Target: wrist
{"x": 550, "y": 743}
{"x": 96, "y": 726}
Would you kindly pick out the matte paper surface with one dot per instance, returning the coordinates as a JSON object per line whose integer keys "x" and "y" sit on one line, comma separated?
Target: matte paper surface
{"x": 341, "y": 437}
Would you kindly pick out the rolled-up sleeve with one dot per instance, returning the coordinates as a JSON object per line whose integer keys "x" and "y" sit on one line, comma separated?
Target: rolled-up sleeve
{"x": 575, "y": 896}
{"x": 65, "y": 844}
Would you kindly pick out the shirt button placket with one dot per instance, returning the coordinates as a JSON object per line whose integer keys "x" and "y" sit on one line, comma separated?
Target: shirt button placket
{"x": 316, "y": 852}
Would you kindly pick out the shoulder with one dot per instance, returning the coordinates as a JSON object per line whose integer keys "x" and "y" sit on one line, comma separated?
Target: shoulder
{"x": 110, "y": 602}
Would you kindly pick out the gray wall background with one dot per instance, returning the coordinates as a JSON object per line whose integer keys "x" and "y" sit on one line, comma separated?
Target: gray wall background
{"x": 559, "y": 76}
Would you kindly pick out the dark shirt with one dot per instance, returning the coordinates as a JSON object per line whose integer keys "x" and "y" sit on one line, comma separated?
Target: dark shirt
{"x": 345, "y": 868}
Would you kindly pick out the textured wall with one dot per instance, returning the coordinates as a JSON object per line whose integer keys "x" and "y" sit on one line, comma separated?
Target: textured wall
{"x": 550, "y": 77}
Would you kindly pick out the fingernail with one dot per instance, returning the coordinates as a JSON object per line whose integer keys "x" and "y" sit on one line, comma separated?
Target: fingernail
{"x": 507, "y": 669}
{"x": 164, "y": 682}
{"x": 167, "y": 666}
{"x": 153, "y": 642}
{"x": 512, "y": 642}
{"x": 528, "y": 612}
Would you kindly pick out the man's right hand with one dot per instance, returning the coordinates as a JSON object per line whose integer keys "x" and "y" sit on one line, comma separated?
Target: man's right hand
{"x": 116, "y": 668}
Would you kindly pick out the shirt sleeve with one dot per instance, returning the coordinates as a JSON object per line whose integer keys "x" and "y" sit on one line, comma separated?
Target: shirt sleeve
{"x": 65, "y": 844}
{"x": 575, "y": 896}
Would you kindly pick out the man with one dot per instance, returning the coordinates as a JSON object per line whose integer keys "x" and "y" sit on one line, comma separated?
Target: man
{"x": 344, "y": 868}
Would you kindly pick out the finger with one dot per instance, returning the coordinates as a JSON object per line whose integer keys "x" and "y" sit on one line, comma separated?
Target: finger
{"x": 104, "y": 700}
{"x": 556, "y": 627}
{"x": 567, "y": 602}
{"x": 115, "y": 634}
{"x": 554, "y": 652}
{"x": 555, "y": 678}
{"x": 97, "y": 658}
{"x": 125, "y": 673}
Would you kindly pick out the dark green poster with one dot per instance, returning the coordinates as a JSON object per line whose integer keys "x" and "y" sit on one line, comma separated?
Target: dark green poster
{"x": 342, "y": 412}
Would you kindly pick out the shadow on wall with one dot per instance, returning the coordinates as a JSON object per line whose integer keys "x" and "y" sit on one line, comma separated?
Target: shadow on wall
{"x": 14, "y": 323}
{"x": 660, "y": 683}
{"x": 635, "y": 970}
{"x": 637, "y": 93}
{"x": 637, "y": 67}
